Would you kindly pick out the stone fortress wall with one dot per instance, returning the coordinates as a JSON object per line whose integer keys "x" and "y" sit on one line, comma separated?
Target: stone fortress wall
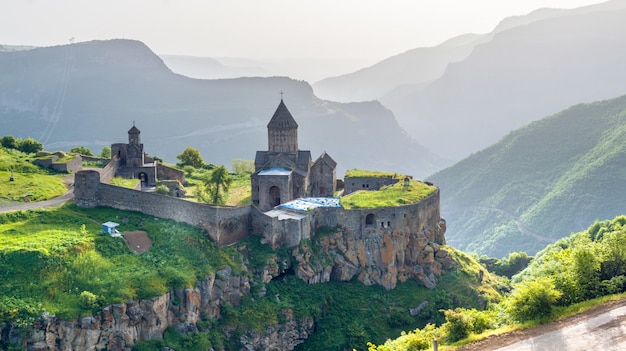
{"x": 226, "y": 225}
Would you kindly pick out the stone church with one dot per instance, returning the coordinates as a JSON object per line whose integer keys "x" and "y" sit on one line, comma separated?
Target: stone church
{"x": 133, "y": 162}
{"x": 284, "y": 172}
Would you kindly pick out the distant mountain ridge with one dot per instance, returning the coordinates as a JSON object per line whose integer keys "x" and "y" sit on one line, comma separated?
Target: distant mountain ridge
{"x": 90, "y": 93}
{"x": 526, "y": 68}
{"x": 539, "y": 183}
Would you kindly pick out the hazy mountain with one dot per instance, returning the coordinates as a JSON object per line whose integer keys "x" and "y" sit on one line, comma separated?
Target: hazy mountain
{"x": 415, "y": 66}
{"x": 210, "y": 68}
{"x": 523, "y": 73}
{"x": 422, "y": 65}
{"x": 233, "y": 67}
{"x": 90, "y": 93}
{"x": 539, "y": 183}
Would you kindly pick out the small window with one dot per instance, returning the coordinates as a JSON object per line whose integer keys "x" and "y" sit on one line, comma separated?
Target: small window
{"x": 369, "y": 219}
{"x": 389, "y": 224}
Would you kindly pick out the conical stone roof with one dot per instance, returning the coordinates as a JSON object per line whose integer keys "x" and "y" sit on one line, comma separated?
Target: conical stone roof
{"x": 282, "y": 118}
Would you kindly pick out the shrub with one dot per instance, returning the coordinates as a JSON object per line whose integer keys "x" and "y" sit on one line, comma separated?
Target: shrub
{"x": 88, "y": 301}
{"x": 162, "y": 189}
{"x": 532, "y": 300}
{"x": 458, "y": 325}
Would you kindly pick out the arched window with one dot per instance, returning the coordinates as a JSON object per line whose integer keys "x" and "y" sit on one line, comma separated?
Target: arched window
{"x": 369, "y": 219}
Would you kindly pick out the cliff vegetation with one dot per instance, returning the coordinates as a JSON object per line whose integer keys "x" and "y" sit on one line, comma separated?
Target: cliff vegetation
{"x": 576, "y": 272}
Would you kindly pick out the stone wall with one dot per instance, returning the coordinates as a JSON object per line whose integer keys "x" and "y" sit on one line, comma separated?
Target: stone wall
{"x": 169, "y": 173}
{"x": 367, "y": 183}
{"x": 226, "y": 225}
{"x": 409, "y": 218}
{"x": 74, "y": 165}
{"x": 108, "y": 172}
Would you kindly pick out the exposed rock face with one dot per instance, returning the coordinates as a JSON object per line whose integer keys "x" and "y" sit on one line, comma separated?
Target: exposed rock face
{"x": 120, "y": 326}
{"x": 382, "y": 259}
{"x": 285, "y": 336}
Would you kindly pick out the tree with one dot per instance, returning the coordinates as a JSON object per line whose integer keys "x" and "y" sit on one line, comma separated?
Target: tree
{"x": 190, "y": 157}
{"x": 106, "y": 152}
{"x": 29, "y": 146}
{"x": 217, "y": 183}
{"x": 82, "y": 150}
{"x": 241, "y": 166}
{"x": 9, "y": 142}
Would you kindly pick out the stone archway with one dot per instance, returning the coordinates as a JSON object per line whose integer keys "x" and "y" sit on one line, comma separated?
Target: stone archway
{"x": 143, "y": 178}
{"x": 274, "y": 196}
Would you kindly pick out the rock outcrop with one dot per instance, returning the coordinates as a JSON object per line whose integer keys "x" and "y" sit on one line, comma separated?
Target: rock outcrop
{"x": 284, "y": 336}
{"x": 381, "y": 259}
{"x": 120, "y": 326}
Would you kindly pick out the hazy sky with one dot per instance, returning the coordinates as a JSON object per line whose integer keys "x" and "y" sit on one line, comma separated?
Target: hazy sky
{"x": 372, "y": 29}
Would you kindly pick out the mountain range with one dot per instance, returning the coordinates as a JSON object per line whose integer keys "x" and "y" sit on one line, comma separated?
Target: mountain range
{"x": 539, "y": 183}
{"x": 467, "y": 93}
{"x": 89, "y": 94}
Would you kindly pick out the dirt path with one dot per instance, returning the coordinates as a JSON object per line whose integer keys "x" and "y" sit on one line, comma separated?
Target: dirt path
{"x": 600, "y": 328}
{"x": 19, "y": 206}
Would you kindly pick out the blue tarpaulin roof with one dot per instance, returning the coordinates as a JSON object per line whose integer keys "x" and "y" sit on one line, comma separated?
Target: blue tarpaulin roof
{"x": 309, "y": 203}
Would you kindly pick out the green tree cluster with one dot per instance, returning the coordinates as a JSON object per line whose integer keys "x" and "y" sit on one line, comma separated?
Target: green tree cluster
{"x": 28, "y": 145}
{"x": 81, "y": 150}
{"x": 190, "y": 157}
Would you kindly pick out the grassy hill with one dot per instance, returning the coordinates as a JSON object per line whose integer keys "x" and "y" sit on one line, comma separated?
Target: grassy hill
{"x": 539, "y": 183}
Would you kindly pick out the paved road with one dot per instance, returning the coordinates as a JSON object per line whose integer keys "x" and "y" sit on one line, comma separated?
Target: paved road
{"x": 606, "y": 331}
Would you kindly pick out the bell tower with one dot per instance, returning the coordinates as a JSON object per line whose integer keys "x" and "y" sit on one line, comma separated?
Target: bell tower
{"x": 282, "y": 131}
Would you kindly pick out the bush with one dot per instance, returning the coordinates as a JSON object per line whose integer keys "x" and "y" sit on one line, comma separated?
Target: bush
{"x": 162, "y": 189}
{"x": 88, "y": 301}
{"x": 458, "y": 325}
{"x": 532, "y": 300}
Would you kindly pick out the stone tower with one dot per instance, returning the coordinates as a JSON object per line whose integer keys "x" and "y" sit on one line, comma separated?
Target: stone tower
{"x": 282, "y": 131}
{"x": 134, "y": 152}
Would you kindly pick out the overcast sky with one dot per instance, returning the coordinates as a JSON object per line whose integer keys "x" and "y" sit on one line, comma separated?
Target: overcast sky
{"x": 371, "y": 29}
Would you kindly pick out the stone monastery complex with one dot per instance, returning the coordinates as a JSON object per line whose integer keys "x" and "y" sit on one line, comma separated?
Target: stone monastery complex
{"x": 291, "y": 195}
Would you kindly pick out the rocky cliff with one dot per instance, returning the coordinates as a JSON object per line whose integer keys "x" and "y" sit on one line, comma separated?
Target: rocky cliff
{"x": 382, "y": 259}
{"x": 120, "y": 326}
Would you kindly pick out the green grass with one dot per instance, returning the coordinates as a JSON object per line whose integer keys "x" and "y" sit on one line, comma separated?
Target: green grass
{"x": 124, "y": 182}
{"x": 394, "y": 195}
{"x": 63, "y": 157}
{"x": 240, "y": 192}
{"x": 355, "y": 173}
{"x": 52, "y": 256}
{"x": 31, "y": 183}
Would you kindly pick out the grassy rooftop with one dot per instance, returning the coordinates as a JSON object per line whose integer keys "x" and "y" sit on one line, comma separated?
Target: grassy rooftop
{"x": 358, "y": 173}
{"x": 394, "y": 195}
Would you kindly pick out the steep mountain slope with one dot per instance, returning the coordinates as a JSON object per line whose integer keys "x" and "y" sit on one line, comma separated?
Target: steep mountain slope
{"x": 550, "y": 178}
{"x": 415, "y": 66}
{"x": 90, "y": 93}
{"x": 522, "y": 74}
